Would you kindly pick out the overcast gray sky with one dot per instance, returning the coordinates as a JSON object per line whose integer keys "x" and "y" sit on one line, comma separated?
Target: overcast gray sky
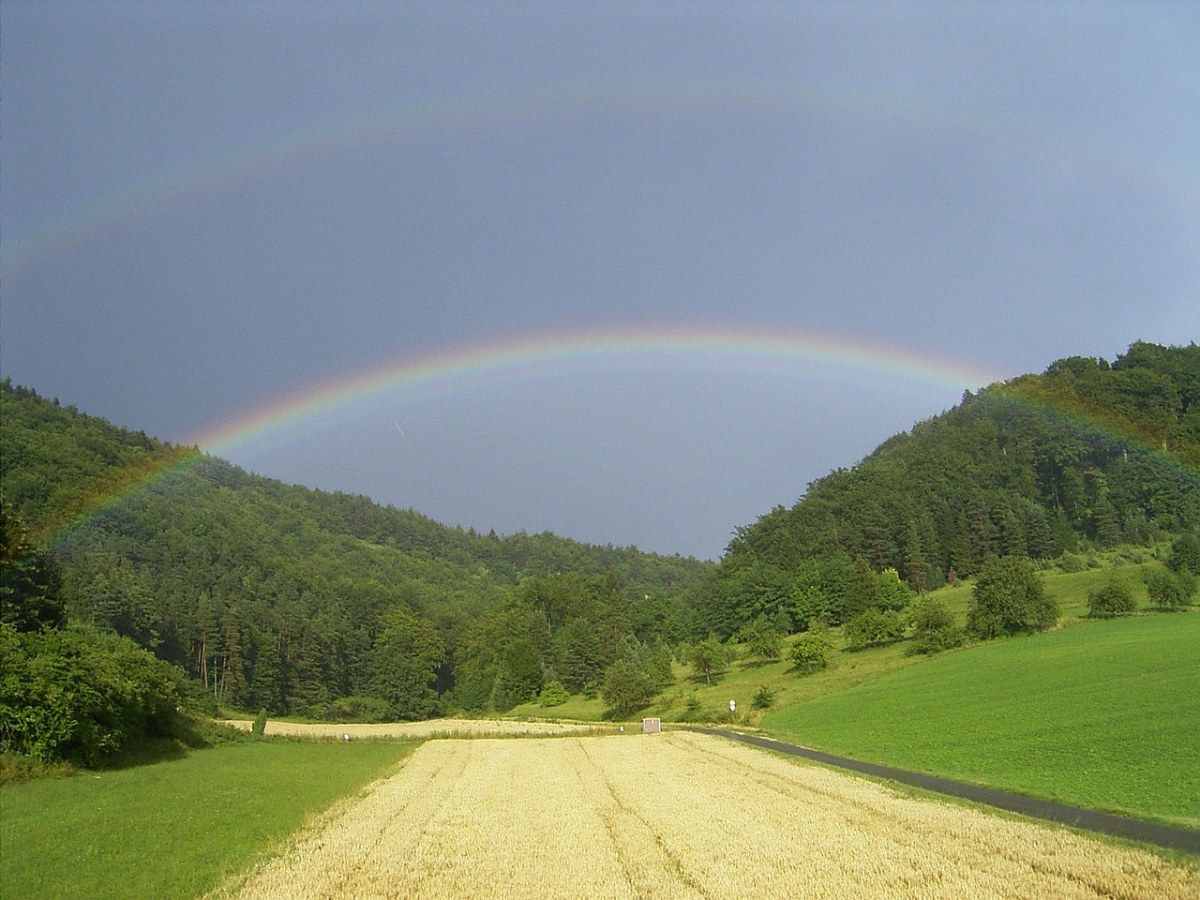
{"x": 208, "y": 210}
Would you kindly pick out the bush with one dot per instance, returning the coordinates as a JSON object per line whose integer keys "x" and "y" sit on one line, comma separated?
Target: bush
{"x": 1185, "y": 555}
{"x": 933, "y": 628}
{"x": 260, "y": 723}
{"x": 1114, "y": 599}
{"x": 553, "y": 694}
{"x": 1169, "y": 591}
{"x": 79, "y": 695}
{"x": 812, "y": 651}
{"x": 626, "y": 687}
{"x": 1069, "y": 563}
{"x": 872, "y": 627}
{"x": 1009, "y": 598}
{"x": 764, "y": 698}
{"x": 763, "y": 639}
{"x": 356, "y": 708}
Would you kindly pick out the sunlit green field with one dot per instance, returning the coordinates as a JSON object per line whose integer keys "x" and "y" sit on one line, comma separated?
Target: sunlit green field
{"x": 177, "y": 828}
{"x": 1100, "y": 714}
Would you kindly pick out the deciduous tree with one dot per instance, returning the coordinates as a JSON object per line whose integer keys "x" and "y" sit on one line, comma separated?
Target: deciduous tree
{"x": 1009, "y": 598}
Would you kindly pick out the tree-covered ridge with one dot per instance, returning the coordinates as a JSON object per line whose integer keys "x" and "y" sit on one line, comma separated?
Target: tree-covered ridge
{"x": 1087, "y": 451}
{"x": 290, "y": 599}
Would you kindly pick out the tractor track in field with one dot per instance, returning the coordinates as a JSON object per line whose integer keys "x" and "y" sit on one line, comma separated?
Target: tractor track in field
{"x": 1171, "y": 837}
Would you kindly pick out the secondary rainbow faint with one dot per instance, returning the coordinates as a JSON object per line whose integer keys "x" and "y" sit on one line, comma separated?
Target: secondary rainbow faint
{"x": 439, "y": 118}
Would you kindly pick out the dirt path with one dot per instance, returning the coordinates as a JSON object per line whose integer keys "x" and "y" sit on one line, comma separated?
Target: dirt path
{"x": 1170, "y": 836}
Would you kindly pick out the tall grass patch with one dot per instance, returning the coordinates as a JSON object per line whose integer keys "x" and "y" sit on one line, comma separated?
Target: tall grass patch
{"x": 1101, "y": 714}
{"x": 177, "y": 828}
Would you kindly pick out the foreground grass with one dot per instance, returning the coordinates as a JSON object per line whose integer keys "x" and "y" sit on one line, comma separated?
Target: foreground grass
{"x": 177, "y": 828}
{"x": 1100, "y": 714}
{"x": 681, "y": 815}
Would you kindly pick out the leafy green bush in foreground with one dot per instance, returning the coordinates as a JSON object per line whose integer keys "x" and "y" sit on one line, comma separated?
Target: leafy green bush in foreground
{"x": 80, "y": 695}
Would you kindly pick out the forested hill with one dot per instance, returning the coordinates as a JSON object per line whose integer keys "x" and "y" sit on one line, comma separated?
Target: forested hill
{"x": 1086, "y": 452}
{"x": 297, "y": 600}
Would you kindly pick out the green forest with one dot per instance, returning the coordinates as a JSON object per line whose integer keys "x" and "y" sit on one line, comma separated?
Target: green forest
{"x": 1089, "y": 452}
{"x": 291, "y": 600}
{"x": 225, "y": 589}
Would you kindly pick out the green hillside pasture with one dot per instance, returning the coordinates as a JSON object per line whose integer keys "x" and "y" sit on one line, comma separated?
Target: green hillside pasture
{"x": 848, "y": 668}
{"x": 177, "y": 828}
{"x": 1101, "y": 714}
{"x": 740, "y": 684}
{"x": 1070, "y": 589}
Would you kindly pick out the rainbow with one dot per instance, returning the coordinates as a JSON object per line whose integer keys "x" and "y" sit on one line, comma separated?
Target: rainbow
{"x": 592, "y": 352}
{"x": 802, "y": 357}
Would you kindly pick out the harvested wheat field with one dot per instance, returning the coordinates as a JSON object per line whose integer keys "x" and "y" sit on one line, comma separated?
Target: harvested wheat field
{"x": 429, "y": 728}
{"x": 680, "y": 815}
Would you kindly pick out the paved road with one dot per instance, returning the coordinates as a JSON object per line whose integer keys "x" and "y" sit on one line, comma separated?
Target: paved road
{"x": 1172, "y": 837}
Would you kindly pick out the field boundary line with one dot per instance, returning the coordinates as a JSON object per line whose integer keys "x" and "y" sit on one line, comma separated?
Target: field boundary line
{"x": 1171, "y": 837}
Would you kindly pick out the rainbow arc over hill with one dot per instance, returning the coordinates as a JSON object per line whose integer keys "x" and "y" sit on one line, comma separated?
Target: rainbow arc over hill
{"x": 804, "y": 358}
{"x": 594, "y": 352}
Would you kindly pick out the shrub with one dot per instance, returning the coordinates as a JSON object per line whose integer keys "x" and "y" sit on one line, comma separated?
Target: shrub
{"x": 763, "y": 639}
{"x": 356, "y": 708}
{"x": 764, "y": 698}
{"x": 872, "y": 627}
{"x": 1009, "y": 598}
{"x": 260, "y": 723}
{"x": 1185, "y": 555}
{"x": 1114, "y": 599}
{"x": 626, "y": 686}
{"x": 933, "y": 627}
{"x": 1069, "y": 562}
{"x": 553, "y": 694}
{"x": 80, "y": 695}
{"x": 1170, "y": 591}
{"x": 812, "y": 651}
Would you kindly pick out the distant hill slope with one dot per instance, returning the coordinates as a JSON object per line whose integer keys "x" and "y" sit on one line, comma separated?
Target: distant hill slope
{"x": 280, "y": 596}
{"x": 1086, "y": 452}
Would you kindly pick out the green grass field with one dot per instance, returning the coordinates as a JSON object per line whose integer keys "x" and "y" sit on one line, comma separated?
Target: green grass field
{"x": 1099, "y": 714}
{"x": 177, "y": 828}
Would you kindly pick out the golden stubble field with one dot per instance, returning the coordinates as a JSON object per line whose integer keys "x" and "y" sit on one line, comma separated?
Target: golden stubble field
{"x": 427, "y": 729}
{"x": 680, "y": 815}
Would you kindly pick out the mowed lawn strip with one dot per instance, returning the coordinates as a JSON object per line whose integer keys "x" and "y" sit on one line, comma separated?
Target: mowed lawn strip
{"x": 681, "y": 815}
{"x": 1101, "y": 715}
{"x": 177, "y": 828}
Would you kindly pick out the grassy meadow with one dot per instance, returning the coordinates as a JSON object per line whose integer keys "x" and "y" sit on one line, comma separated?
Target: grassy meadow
{"x": 177, "y": 828}
{"x": 1099, "y": 714}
